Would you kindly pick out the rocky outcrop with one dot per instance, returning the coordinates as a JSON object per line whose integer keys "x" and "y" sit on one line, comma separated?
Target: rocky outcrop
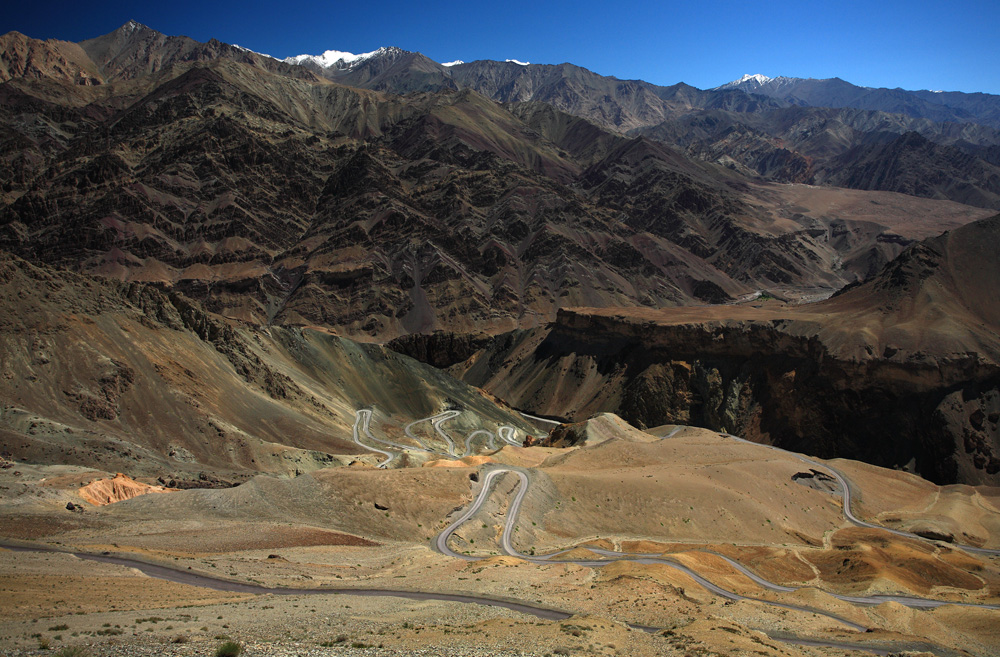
{"x": 104, "y": 405}
{"x": 902, "y": 371}
{"x": 763, "y": 382}
{"x": 122, "y": 487}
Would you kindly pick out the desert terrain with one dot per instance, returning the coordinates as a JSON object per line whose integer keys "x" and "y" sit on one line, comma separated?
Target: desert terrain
{"x": 393, "y": 357}
{"x": 675, "y": 540}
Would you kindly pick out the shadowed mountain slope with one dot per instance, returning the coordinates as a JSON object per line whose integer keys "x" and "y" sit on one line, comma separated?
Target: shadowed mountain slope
{"x": 847, "y": 147}
{"x": 940, "y": 106}
{"x": 279, "y": 199}
{"x": 123, "y": 377}
{"x": 902, "y": 370}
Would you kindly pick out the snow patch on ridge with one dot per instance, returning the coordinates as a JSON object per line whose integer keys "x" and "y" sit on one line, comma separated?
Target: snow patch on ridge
{"x": 336, "y": 58}
{"x": 454, "y": 63}
{"x": 514, "y": 61}
{"x": 236, "y": 45}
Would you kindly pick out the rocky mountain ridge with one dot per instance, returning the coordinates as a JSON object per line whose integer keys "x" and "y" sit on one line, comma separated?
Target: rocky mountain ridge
{"x": 783, "y": 129}
{"x": 757, "y": 134}
{"x": 938, "y": 106}
{"x": 901, "y": 371}
{"x": 290, "y": 199}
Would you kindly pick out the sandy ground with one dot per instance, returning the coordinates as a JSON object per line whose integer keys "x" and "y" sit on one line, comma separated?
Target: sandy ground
{"x": 689, "y": 496}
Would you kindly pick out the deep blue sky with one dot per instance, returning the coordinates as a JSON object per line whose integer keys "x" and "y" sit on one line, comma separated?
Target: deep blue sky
{"x": 916, "y": 44}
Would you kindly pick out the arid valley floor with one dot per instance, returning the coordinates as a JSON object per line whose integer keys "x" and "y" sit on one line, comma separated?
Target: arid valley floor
{"x": 686, "y": 494}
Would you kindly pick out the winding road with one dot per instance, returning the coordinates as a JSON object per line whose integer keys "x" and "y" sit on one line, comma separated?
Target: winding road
{"x": 507, "y": 547}
{"x": 362, "y": 424}
{"x": 408, "y": 430}
{"x": 491, "y": 440}
{"x": 363, "y": 419}
{"x": 847, "y": 500}
{"x": 507, "y": 434}
{"x": 436, "y": 423}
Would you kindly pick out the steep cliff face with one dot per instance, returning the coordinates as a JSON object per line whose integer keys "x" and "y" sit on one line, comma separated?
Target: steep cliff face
{"x": 770, "y": 384}
{"x": 902, "y": 371}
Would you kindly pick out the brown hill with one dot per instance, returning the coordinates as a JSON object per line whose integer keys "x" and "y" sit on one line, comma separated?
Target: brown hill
{"x": 124, "y": 377}
{"x": 135, "y": 50}
{"x": 903, "y": 370}
{"x": 24, "y": 57}
{"x": 278, "y": 198}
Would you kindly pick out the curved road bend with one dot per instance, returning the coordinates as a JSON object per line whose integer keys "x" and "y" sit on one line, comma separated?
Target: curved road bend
{"x": 508, "y": 434}
{"x": 408, "y": 430}
{"x": 436, "y": 423}
{"x": 846, "y": 498}
{"x": 507, "y": 547}
{"x": 490, "y": 439}
{"x": 364, "y": 417}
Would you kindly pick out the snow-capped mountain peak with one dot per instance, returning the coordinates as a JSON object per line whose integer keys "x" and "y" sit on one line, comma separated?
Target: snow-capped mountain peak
{"x": 753, "y": 83}
{"x": 338, "y": 58}
{"x": 454, "y": 63}
{"x": 755, "y": 78}
{"x": 132, "y": 27}
{"x": 748, "y": 82}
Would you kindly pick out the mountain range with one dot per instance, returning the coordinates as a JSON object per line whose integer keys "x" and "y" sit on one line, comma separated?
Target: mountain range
{"x": 386, "y": 195}
{"x": 939, "y": 106}
{"x": 487, "y": 196}
{"x": 781, "y": 129}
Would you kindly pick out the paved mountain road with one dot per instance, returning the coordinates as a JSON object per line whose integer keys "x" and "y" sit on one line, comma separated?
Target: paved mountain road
{"x": 363, "y": 419}
{"x": 846, "y": 498}
{"x": 362, "y": 424}
{"x": 506, "y": 545}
